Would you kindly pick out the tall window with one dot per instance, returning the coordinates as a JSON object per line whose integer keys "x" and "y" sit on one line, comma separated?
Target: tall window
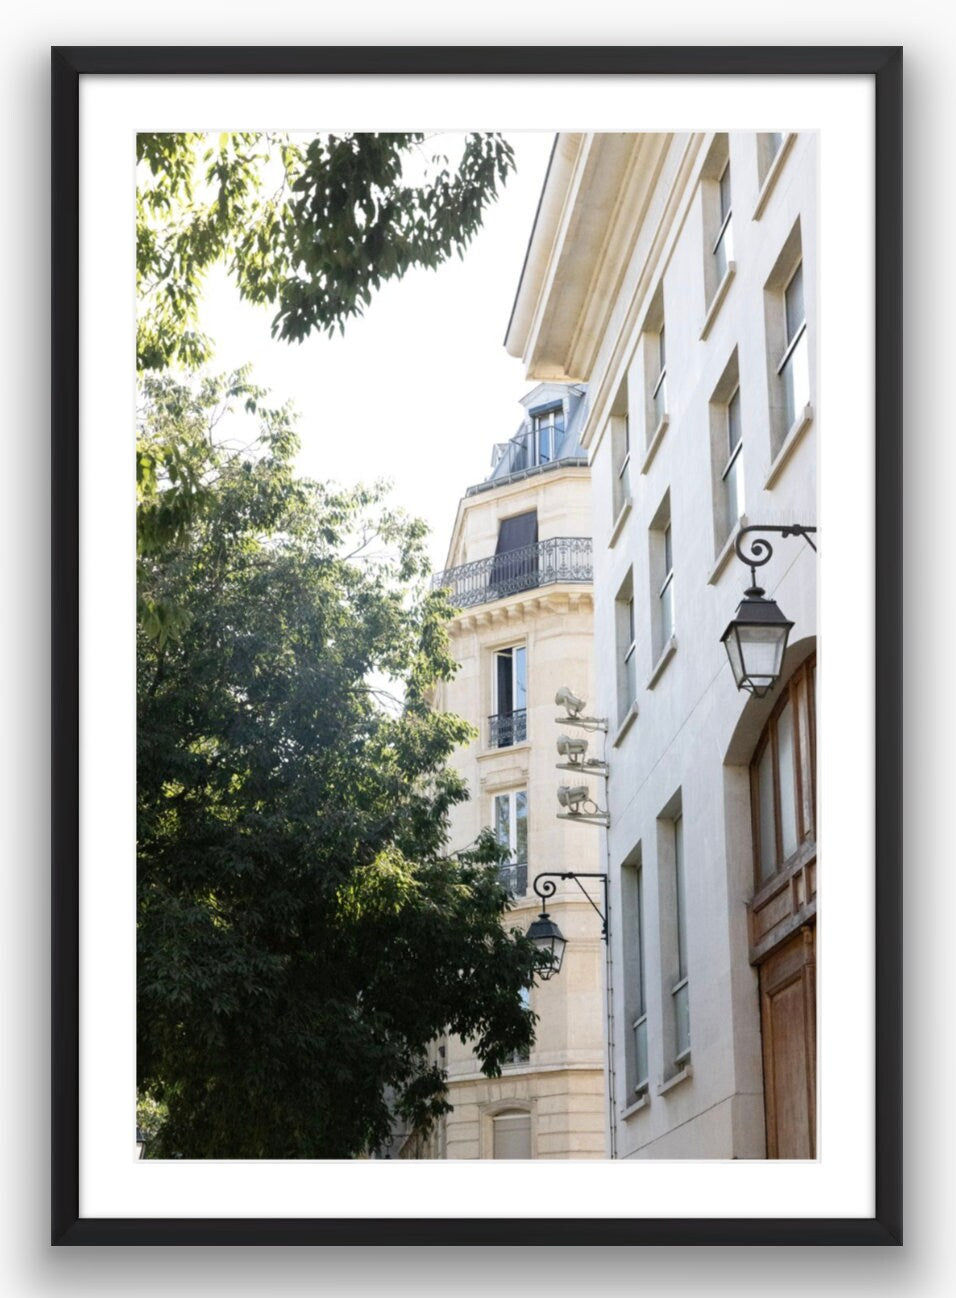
{"x": 793, "y": 368}
{"x": 626, "y": 657}
{"x": 672, "y": 919}
{"x": 509, "y": 723}
{"x": 654, "y": 352}
{"x": 723, "y": 249}
{"x": 661, "y": 559}
{"x": 717, "y": 216}
{"x": 620, "y": 452}
{"x": 733, "y": 474}
{"x": 679, "y": 991}
{"x": 522, "y": 1056}
{"x": 769, "y": 144}
{"x": 511, "y": 831}
{"x": 632, "y": 884}
{"x": 665, "y": 586}
{"x": 659, "y": 380}
{"x": 788, "y": 348}
{"x": 783, "y": 779}
{"x": 726, "y": 435}
{"x": 515, "y": 566}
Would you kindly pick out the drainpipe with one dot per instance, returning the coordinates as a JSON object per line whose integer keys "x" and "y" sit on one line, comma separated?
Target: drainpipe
{"x": 609, "y": 993}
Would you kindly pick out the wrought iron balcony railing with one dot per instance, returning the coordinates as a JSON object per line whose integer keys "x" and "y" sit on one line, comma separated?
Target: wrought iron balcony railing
{"x": 527, "y": 450}
{"x": 559, "y": 559}
{"x": 507, "y": 728}
{"x": 515, "y": 878}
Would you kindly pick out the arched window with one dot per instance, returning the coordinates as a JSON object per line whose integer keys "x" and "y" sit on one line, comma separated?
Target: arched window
{"x": 783, "y": 780}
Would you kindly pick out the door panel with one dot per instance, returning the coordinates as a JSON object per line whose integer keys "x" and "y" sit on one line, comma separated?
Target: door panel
{"x": 788, "y": 1024}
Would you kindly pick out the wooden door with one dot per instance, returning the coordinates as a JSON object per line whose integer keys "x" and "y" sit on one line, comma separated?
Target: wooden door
{"x": 788, "y": 1025}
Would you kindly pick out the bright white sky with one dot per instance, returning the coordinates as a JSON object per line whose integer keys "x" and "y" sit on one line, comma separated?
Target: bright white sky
{"x": 419, "y": 389}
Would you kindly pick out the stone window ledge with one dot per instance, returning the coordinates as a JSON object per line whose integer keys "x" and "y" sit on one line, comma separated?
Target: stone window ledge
{"x": 685, "y": 1074}
{"x": 642, "y": 1102}
{"x": 718, "y": 299}
{"x": 790, "y": 442}
{"x": 667, "y": 653}
{"x": 505, "y": 750}
{"x": 629, "y": 719}
{"x": 619, "y": 523}
{"x": 773, "y": 172}
{"x": 655, "y": 441}
{"x": 726, "y": 550}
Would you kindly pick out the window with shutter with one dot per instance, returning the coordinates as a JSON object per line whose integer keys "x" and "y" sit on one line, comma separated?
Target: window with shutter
{"x": 516, "y": 558}
{"x": 512, "y": 1135}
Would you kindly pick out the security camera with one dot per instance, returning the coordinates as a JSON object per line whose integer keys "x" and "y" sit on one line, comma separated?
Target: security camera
{"x": 570, "y": 701}
{"x": 573, "y": 796}
{"x": 572, "y": 749}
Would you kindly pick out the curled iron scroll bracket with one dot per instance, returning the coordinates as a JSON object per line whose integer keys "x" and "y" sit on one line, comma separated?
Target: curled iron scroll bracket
{"x": 759, "y": 550}
{"x": 544, "y": 885}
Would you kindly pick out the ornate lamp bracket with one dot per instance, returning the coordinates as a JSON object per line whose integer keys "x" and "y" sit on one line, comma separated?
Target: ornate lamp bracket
{"x": 760, "y": 550}
{"x": 548, "y": 887}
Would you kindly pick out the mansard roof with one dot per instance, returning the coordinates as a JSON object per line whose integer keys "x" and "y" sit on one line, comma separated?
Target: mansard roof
{"x": 521, "y": 456}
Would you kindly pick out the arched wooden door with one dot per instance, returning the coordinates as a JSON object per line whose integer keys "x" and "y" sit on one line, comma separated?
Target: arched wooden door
{"x": 783, "y": 914}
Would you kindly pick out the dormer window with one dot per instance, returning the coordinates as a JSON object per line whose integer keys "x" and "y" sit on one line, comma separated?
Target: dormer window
{"x": 547, "y": 427}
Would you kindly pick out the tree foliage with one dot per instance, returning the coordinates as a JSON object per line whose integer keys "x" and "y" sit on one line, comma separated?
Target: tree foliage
{"x": 303, "y": 933}
{"x": 308, "y": 225}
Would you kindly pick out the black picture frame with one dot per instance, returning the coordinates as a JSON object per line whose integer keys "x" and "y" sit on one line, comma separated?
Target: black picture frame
{"x": 69, "y": 65}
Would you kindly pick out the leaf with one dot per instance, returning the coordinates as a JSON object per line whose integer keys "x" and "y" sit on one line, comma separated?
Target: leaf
{"x": 345, "y": 223}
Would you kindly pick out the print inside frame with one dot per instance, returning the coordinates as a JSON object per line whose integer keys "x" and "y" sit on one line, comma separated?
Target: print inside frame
{"x": 152, "y": 1220}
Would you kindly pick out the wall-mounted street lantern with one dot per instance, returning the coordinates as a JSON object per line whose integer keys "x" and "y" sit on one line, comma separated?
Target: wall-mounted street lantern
{"x": 756, "y": 639}
{"x": 548, "y": 939}
{"x": 544, "y": 932}
{"x": 140, "y": 1143}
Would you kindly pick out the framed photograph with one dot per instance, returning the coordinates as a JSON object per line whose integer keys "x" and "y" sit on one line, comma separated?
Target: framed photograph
{"x": 341, "y": 916}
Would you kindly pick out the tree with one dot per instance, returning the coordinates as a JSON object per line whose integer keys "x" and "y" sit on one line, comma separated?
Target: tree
{"x": 311, "y": 226}
{"x": 303, "y": 933}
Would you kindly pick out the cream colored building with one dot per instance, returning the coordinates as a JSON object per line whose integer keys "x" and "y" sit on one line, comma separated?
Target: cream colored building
{"x": 520, "y": 567}
{"x": 676, "y": 276}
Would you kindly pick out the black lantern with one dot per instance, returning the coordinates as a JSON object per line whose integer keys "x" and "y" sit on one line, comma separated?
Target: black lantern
{"x": 140, "y": 1143}
{"x": 548, "y": 938}
{"x": 756, "y": 641}
{"x": 544, "y": 933}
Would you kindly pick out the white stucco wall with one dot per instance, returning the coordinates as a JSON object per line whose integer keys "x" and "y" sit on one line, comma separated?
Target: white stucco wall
{"x": 693, "y": 735}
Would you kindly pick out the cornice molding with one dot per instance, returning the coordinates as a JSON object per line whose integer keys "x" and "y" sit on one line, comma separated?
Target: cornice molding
{"x": 559, "y": 598}
{"x": 603, "y": 387}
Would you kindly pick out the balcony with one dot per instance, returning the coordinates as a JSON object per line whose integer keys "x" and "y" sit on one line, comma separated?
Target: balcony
{"x": 560, "y": 559}
{"x": 529, "y": 450}
{"x": 514, "y": 876}
{"x": 507, "y": 728}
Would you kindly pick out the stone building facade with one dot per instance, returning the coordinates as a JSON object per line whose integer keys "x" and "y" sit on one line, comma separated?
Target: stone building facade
{"x": 520, "y": 569}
